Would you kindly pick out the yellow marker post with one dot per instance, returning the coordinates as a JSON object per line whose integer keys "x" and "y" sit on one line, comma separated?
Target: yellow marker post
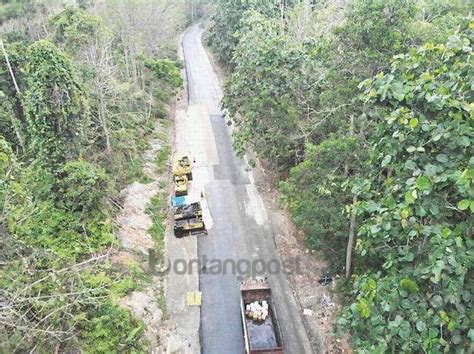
{"x": 194, "y": 298}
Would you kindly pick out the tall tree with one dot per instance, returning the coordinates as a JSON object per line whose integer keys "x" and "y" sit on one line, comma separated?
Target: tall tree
{"x": 83, "y": 36}
{"x": 56, "y": 106}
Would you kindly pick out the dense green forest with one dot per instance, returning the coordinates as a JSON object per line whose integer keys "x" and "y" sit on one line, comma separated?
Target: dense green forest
{"x": 364, "y": 110}
{"x": 81, "y": 89}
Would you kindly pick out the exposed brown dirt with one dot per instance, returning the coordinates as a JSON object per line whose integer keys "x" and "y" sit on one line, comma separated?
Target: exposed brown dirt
{"x": 133, "y": 223}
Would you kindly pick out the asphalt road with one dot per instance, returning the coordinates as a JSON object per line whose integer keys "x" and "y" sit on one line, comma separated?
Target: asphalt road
{"x": 240, "y": 227}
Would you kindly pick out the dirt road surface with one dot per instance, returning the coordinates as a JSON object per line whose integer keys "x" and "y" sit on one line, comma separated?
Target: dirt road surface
{"x": 236, "y": 218}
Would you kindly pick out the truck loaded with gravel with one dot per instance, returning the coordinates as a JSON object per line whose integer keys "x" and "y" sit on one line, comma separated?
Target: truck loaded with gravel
{"x": 261, "y": 329}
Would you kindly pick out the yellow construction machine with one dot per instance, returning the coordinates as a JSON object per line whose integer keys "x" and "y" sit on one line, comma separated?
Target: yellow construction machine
{"x": 189, "y": 227}
{"x": 182, "y": 166}
{"x": 188, "y": 218}
{"x": 180, "y": 185}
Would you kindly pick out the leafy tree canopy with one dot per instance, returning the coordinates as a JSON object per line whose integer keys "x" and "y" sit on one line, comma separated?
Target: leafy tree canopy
{"x": 74, "y": 27}
{"x": 56, "y": 106}
{"x": 414, "y": 292}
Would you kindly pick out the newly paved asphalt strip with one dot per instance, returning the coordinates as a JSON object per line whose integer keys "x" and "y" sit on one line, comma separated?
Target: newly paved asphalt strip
{"x": 240, "y": 229}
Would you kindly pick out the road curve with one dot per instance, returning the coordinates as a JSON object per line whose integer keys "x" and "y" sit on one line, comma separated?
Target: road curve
{"x": 239, "y": 229}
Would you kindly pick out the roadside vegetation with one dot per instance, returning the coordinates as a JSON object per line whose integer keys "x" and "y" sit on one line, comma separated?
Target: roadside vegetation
{"x": 157, "y": 210}
{"x": 81, "y": 89}
{"x": 363, "y": 109}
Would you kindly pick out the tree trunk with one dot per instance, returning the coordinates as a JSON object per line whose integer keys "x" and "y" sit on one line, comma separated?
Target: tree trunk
{"x": 125, "y": 54}
{"x": 15, "y": 126}
{"x": 306, "y": 15}
{"x": 282, "y": 15}
{"x": 135, "y": 74}
{"x": 103, "y": 120}
{"x": 350, "y": 242}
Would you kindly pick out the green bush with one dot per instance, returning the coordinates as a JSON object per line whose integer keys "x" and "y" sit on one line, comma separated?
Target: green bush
{"x": 82, "y": 186}
{"x": 157, "y": 210}
{"x": 165, "y": 70}
{"x": 64, "y": 297}
{"x": 162, "y": 157}
{"x": 321, "y": 213}
{"x": 13, "y": 9}
{"x": 6, "y": 163}
{"x": 111, "y": 329}
{"x": 60, "y": 231}
{"x": 74, "y": 27}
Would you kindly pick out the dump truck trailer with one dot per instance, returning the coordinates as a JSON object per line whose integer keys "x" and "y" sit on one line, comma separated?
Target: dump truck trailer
{"x": 260, "y": 324}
